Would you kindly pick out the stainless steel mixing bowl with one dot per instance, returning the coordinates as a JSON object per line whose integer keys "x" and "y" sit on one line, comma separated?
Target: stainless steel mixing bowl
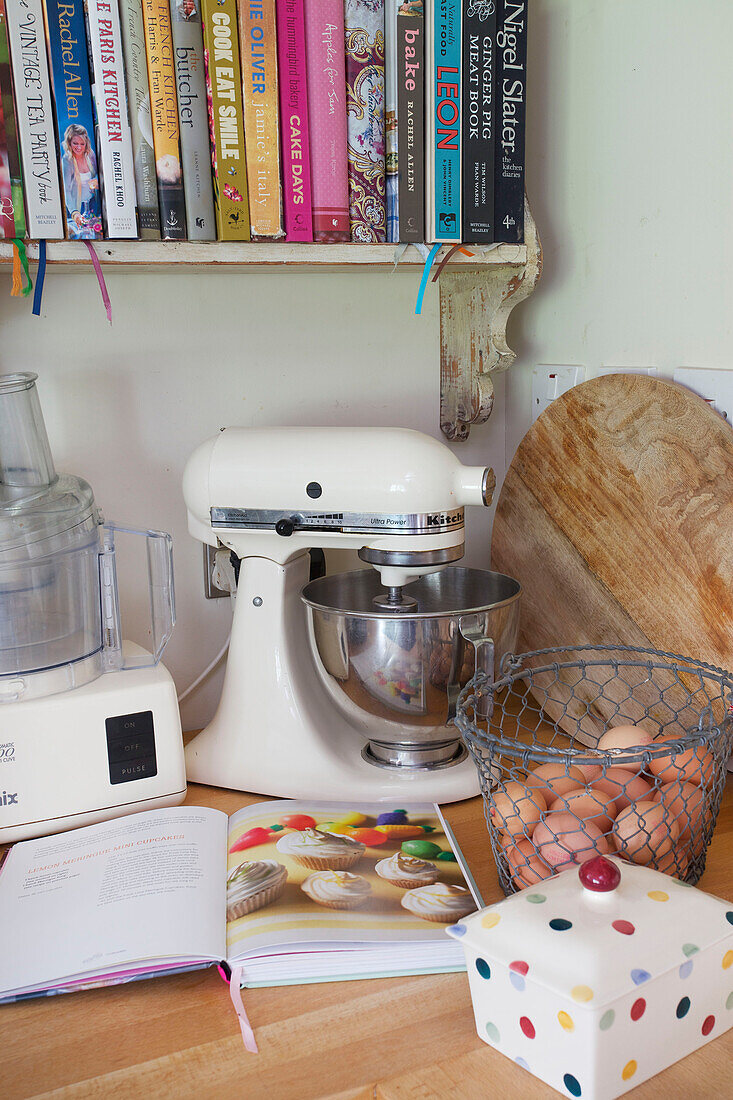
{"x": 397, "y": 675}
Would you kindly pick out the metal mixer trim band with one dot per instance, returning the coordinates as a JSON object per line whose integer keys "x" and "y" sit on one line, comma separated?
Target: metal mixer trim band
{"x": 349, "y": 523}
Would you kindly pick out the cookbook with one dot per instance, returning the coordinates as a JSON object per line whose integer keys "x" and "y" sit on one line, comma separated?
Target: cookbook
{"x": 285, "y": 892}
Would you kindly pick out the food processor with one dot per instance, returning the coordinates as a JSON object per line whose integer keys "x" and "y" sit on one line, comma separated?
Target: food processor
{"x": 89, "y": 725}
{"x": 345, "y": 686}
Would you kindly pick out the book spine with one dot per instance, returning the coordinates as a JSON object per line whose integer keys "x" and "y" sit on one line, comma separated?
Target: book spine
{"x": 258, "y": 39}
{"x": 115, "y": 138}
{"x": 479, "y": 88}
{"x": 511, "y": 73}
{"x": 72, "y": 95}
{"x": 11, "y": 129}
{"x": 224, "y": 96}
{"x": 365, "y": 99}
{"x": 141, "y": 124}
{"x": 7, "y": 220}
{"x": 391, "y": 108}
{"x": 35, "y": 119}
{"x": 324, "y": 45}
{"x": 411, "y": 121}
{"x": 193, "y": 119}
{"x": 164, "y": 110}
{"x": 447, "y": 122}
{"x": 294, "y": 120}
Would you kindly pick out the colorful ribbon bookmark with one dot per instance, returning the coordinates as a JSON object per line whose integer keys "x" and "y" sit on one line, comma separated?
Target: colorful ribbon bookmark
{"x": 100, "y": 280}
{"x": 233, "y": 978}
{"x": 425, "y": 274}
{"x": 20, "y": 268}
{"x": 40, "y": 277}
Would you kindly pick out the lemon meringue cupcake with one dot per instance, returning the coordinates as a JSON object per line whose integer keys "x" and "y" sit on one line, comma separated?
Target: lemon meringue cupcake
{"x": 337, "y": 889}
{"x": 253, "y": 884}
{"x": 407, "y": 871}
{"x": 439, "y": 902}
{"x": 321, "y": 851}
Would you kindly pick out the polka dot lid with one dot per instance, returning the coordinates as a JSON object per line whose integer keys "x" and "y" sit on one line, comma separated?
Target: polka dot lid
{"x": 595, "y": 940}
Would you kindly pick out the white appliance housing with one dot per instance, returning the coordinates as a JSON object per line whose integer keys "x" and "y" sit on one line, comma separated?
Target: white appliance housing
{"x": 269, "y": 495}
{"x": 108, "y": 748}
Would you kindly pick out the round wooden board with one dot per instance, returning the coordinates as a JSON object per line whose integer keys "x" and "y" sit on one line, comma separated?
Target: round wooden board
{"x": 616, "y": 516}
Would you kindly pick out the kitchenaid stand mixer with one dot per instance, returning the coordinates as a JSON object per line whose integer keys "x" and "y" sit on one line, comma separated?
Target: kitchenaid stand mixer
{"x": 313, "y": 703}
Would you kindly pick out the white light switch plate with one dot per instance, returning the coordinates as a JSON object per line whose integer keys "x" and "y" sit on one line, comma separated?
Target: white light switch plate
{"x": 714, "y": 386}
{"x": 550, "y": 381}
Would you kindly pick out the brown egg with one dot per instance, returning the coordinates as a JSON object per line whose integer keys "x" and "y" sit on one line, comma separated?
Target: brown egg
{"x": 623, "y": 786}
{"x": 588, "y": 805}
{"x": 692, "y": 766}
{"x": 563, "y": 841}
{"x": 675, "y": 863}
{"x": 516, "y": 809}
{"x": 644, "y": 832}
{"x": 527, "y": 866}
{"x": 553, "y": 780}
{"x": 684, "y": 803}
{"x": 590, "y": 771}
{"x": 624, "y": 737}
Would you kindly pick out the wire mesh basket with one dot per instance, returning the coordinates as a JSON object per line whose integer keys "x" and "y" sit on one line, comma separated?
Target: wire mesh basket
{"x": 562, "y": 783}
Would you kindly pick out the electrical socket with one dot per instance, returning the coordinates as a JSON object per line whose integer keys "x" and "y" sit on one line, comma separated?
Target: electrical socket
{"x": 714, "y": 386}
{"x": 549, "y": 382}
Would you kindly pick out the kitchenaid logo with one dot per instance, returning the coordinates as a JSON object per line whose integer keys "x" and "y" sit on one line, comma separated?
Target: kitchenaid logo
{"x": 8, "y": 799}
{"x": 444, "y": 519}
{"x": 7, "y": 752}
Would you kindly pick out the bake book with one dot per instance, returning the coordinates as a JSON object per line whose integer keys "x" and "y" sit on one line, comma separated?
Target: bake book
{"x": 290, "y": 892}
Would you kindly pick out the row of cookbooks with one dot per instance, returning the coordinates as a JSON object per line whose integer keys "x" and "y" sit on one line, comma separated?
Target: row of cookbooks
{"x": 329, "y": 120}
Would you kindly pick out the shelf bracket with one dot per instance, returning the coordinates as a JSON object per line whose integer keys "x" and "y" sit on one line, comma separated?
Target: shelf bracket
{"x": 474, "y": 310}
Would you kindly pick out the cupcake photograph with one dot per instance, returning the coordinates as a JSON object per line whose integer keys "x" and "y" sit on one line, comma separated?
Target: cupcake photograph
{"x": 408, "y": 872}
{"x": 252, "y": 885}
{"x": 320, "y": 851}
{"x": 337, "y": 889}
{"x": 440, "y": 903}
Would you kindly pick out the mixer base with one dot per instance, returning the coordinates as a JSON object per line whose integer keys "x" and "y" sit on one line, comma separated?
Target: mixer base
{"x": 429, "y": 758}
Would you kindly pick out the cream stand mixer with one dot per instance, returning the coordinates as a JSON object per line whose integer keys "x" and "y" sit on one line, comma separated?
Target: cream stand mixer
{"x": 343, "y": 687}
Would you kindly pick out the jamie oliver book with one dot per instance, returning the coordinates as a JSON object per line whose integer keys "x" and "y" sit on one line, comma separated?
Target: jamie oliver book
{"x": 285, "y": 892}
{"x": 258, "y": 41}
{"x": 226, "y": 119}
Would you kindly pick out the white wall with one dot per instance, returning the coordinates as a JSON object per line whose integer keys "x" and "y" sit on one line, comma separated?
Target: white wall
{"x": 630, "y": 161}
{"x": 629, "y": 169}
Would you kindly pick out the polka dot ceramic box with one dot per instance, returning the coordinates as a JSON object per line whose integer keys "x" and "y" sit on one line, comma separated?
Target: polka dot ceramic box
{"x": 597, "y": 979}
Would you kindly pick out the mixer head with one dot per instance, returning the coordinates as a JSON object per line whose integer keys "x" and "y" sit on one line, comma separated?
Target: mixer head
{"x": 394, "y": 495}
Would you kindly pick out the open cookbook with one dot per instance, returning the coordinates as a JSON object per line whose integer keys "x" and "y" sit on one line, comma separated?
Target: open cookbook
{"x": 286, "y": 891}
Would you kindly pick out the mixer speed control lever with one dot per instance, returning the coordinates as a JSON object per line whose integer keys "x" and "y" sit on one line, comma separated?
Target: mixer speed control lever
{"x": 285, "y": 527}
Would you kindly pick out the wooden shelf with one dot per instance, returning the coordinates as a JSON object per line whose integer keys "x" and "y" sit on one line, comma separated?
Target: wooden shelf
{"x": 140, "y": 254}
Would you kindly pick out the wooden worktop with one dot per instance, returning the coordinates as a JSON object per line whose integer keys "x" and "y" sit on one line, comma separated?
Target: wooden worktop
{"x": 388, "y": 1039}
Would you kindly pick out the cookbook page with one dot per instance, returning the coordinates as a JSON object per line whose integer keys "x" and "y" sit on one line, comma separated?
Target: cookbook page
{"x": 320, "y": 875}
{"x": 144, "y": 887}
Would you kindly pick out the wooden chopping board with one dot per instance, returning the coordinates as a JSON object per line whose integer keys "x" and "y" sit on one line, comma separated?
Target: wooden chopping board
{"x": 616, "y": 516}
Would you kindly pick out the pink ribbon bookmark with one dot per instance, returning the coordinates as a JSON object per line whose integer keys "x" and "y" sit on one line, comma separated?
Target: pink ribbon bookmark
{"x": 235, "y": 992}
{"x": 100, "y": 280}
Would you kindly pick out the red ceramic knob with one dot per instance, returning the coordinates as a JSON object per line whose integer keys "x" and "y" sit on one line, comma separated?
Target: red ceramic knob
{"x": 599, "y": 874}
